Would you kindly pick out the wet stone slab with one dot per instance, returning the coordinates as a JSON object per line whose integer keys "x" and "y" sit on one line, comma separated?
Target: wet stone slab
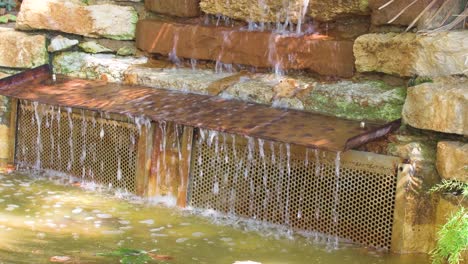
{"x": 232, "y": 116}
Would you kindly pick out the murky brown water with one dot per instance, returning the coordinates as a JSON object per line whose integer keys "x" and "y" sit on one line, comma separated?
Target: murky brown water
{"x": 40, "y": 218}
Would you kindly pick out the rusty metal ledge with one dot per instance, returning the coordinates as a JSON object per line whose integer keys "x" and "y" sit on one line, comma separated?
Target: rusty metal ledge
{"x": 203, "y": 111}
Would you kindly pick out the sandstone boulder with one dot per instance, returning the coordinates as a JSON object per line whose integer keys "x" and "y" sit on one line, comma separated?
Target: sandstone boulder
{"x": 21, "y": 50}
{"x": 99, "y": 66}
{"x": 327, "y": 10}
{"x": 109, "y": 21}
{"x": 229, "y": 45}
{"x": 93, "y": 47}
{"x": 366, "y": 100}
{"x": 180, "y": 8}
{"x": 60, "y": 43}
{"x": 452, "y": 160}
{"x": 281, "y": 11}
{"x": 441, "y": 106}
{"x": 408, "y": 54}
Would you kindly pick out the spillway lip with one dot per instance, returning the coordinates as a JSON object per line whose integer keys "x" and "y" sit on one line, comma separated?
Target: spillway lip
{"x": 202, "y": 111}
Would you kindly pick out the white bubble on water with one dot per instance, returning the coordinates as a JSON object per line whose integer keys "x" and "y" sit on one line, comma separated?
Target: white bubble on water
{"x": 181, "y": 240}
{"x": 77, "y": 210}
{"x": 124, "y": 222}
{"x": 157, "y": 229}
{"x": 148, "y": 222}
{"x": 104, "y": 216}
{"x": 112, "y": 232}
{"x": 158, "y": 235}
{"x": 198, "y": 234}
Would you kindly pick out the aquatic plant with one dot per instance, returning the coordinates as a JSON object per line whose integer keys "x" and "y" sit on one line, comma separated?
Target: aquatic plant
{"x": 134, "y": 256}
{"x": 452, "y": 239}
{"x": 451, "y": 186}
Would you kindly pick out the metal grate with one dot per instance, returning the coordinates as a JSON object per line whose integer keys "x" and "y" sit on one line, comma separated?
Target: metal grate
{"x": 296, "y": 187}
{"x": 81, "y": 143}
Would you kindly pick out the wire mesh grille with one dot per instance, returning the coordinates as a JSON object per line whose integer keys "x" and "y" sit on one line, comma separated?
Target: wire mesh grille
{"x": 303, "y": 189}
{"x": 83, "y": 144}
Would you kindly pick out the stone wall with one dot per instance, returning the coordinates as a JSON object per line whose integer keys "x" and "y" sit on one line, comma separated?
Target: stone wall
{"x": 347, "y": 61}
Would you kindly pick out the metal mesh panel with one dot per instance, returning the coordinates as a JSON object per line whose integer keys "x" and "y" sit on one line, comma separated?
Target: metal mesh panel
{"x": 296, "y": 187}
{"x": 83, "y": 144}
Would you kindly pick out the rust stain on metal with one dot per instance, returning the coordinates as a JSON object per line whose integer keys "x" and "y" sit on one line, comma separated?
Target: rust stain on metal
{"x": 204, "y": 111}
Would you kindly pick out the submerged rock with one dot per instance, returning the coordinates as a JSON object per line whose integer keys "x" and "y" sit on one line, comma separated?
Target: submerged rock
{"x": 21, "y": 50}
{"x": 440, "y": 106}
{"x": 60, "y": 43}
{"x": 109, "y": 21}
{"x": 98, "y": 66}
{"x": 408, "y": 54}
{"x": 452, "y": 160}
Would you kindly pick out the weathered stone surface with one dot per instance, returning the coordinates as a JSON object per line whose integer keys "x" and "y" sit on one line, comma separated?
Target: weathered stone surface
{"x": 281, "y": 11}
{"x": 253, "y": 10}
{"x": 93, "y": 47}
{"x": 60, "y": 43}
{"x": 180, "y": 8}
{"x": 109, "y": 21}
{"x": 21, "y": 50}
{"x": 260, "y": 49}
{"x": 327, "y": 10}
{"x": 408, "y": 54}
{"x": 3, "y": 75}
{"x": 177, "y": 79}
{"x": 368, "y": 100}
{"x": 441, "y": 106}
{"x": 421, "y": 152}
{"x": 100, "y": 66}
{"x": 452, "y": 160}
{"x": 127, "y": 51}
{"x": 113, "y": 44}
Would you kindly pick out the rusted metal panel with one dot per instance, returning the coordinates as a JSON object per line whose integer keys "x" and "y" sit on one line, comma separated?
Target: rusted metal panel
{"x": 195, "y": 110}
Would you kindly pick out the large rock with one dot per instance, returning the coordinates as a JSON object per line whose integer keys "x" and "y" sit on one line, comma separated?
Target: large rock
{"x": 254, "y": 10}
{"x": 109, "y": 21}
{"x": 99, "y": 66}
{"x": 180, "y": 8}
{"x": 368, "y": 100}
{"x": 195, "y": 81}
{"x": 408, "y": 54}
{"x": 281, "y": 11}
{"x": 21, "y": 50}
{"x": 452, "y": 160}
{"x": 441, "y": 106}
{"x": 228, "y": 45}
{"x": 327, "y": 10}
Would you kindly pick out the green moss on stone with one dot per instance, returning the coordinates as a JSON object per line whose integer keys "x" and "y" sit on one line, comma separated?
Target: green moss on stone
{"x": 374, "y": 101}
